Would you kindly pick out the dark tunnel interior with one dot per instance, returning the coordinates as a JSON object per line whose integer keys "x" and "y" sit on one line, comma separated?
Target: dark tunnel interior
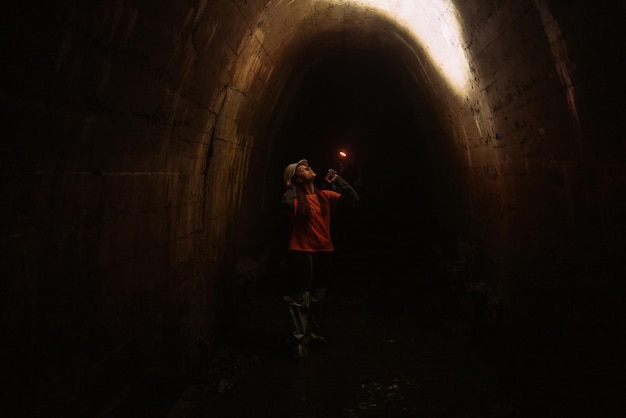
{"x": 364, "y": 103}
{"x": 143, "y": 245}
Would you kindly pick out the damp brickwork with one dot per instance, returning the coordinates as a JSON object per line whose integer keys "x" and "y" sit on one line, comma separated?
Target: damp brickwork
{"x": 142, "y": 158}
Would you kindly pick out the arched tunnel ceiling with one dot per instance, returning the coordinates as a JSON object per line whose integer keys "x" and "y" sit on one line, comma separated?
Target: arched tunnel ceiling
{"x": 338, "y": 60}
{"x": 352, "y": 78}
{"x": 300, "y": 35}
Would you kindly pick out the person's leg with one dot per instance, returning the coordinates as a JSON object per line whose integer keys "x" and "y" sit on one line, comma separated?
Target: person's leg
{"x": 322, "y": 275}
{"x": 322, "y": 269}
{"x": 301, "y": 274}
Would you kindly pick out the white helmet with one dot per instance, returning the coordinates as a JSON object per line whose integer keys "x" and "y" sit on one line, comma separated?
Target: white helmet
{"x": 290, "y": 171}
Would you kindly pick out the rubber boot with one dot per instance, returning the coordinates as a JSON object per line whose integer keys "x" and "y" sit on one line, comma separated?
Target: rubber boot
{"x": 299, "y": 308}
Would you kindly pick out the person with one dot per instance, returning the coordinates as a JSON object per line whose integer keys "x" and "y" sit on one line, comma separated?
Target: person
{"x": 310, "y": 246}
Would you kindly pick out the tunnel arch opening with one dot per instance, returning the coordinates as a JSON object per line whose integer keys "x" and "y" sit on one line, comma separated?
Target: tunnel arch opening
{"x": 369, "y": 99}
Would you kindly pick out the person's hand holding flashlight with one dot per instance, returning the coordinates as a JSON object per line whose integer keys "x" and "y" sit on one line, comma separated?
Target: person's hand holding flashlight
{"x": 331, "y": 175}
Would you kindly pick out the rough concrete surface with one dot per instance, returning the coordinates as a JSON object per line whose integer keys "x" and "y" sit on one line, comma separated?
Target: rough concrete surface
{"x": 391, "y": 351}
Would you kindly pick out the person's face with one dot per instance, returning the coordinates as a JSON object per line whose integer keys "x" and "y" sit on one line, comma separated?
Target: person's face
{"x": 305, "y": 173}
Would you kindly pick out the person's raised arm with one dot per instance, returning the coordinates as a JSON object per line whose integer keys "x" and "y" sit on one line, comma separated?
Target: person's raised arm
{"x": 342, "y": 186}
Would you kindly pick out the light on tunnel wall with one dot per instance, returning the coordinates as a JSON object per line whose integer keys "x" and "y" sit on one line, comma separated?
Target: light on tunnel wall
{"x": 435, "y": 25}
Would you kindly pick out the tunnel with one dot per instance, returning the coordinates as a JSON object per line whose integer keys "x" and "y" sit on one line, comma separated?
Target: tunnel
{"x": 143, "y": 151}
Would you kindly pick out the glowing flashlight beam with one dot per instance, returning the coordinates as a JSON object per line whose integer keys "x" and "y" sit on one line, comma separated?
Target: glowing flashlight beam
{"x": 434, "y": 23}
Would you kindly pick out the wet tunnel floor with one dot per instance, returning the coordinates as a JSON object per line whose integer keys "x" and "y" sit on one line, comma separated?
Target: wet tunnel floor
{"x": 389, "y": 352}
{"x": 392, "y": 351}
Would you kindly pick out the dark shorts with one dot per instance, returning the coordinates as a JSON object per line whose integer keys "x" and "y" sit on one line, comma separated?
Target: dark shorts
{"x": 309, "y": 271}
